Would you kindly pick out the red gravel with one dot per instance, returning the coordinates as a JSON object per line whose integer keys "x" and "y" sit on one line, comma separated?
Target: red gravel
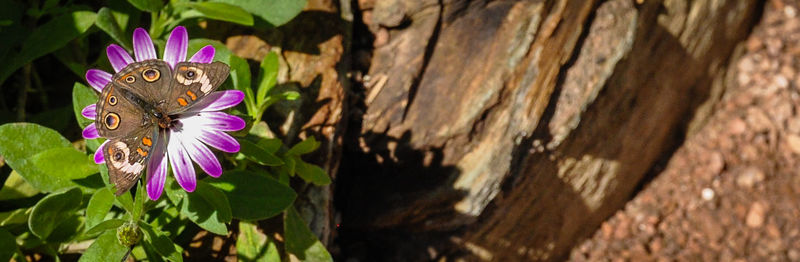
{"x": 732, "y": 191}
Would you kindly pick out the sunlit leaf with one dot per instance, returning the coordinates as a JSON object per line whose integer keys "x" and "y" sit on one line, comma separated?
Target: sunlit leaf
{"x": 108, "y": 23}
{"x": 65, "y": 162}
{"x": 300, "y": 241}
{"x": 20, "y": 141}
{"x": 258, "y": 154}
{"x": 252, "y": 245}
{"x": 224, "y": 12}
{"x": 276, "y": 12}
{"x": 15, "y": 187}
{"x": 304, "y": 147}
{"x": 312, "y": 173}
{"x": 105, "y": 248}
{"x": 105, "y": 225}
{"x": 99, "y": 205}
{"x": 267, "y": 76}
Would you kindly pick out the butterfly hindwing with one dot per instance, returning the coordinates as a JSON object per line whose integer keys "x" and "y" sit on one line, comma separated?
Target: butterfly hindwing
{"x": 126, "y": 157}
{"x": 191, "y": 82}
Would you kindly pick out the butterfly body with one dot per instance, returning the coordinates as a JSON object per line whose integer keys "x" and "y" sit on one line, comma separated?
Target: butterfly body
{"x": 141, "y": 103}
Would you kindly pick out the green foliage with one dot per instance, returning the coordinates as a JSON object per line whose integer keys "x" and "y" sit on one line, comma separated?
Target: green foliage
{"x": 300, "y": 241}
{"x": 62, "y": 197}
{"x": 48, "y": 38}
{"x": 20, "y": 142}
{"x": 252, "y": 245}
{"x": 50, "y": 212}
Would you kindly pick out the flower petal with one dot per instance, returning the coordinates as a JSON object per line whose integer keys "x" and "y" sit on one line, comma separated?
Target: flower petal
{"x": 90, "y": 132}
{"x": 98, "y": 154}
{"x": 218, "y": 101}
{"x": 212, "y": 121}
{"x": 98, "y": 79}
{"x": 175, "y": 51}
{"x": 90, "y": 111}
{"x": 118, "y": 57}
{"x": 219, "y": 140}
{"x": 157, "y": 169}
{"x": 181, "y": 164}
{"x": 204, "y": 55}
{"x": 142, "y": 45}
{"x": 202, "y": 156}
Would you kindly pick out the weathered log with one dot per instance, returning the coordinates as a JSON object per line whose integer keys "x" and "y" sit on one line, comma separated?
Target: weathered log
{"x": 510, "y": 129}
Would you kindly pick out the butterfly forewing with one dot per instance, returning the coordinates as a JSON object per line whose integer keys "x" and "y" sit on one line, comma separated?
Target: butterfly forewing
{"x": 193, "y": 81}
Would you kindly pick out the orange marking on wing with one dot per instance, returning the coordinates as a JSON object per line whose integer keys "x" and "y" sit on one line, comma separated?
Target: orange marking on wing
{"x": 146, "y": 141}
{"x": 110, "y": 92}
{"x": 191, "y": 95}
{"x": 182, "y": 101}
{"x": 141, "y": 152}
{"x": 183, "y": 68}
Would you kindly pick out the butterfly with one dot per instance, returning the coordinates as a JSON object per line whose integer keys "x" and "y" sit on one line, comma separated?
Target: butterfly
{"x": 140, "y": 103}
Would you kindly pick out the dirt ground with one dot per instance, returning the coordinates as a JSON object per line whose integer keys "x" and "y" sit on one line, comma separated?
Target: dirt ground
{"x": 732, "y": 191}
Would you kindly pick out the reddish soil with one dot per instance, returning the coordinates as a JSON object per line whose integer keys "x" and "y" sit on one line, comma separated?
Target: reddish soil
{"x": 732, "y": 191}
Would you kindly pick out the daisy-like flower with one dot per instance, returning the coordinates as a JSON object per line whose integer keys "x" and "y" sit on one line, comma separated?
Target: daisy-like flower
{"x": 187, "y": 140}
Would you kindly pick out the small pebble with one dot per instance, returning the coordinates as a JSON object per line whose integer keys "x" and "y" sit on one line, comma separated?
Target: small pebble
{"x": 708, "y": 194}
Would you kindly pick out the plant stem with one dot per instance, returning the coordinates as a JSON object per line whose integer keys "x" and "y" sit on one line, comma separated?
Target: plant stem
{"x": 22, "y": 97}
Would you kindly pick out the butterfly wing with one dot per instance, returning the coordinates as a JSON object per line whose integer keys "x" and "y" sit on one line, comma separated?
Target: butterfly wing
{"x": 120, "y": 112}
{"x": 191, "y": 82}
{"x": 126, "y": 157}
{"x": 149, "y": 79}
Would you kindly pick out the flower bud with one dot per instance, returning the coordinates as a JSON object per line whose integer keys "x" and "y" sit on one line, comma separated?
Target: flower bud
{"x": 129, "y": 234}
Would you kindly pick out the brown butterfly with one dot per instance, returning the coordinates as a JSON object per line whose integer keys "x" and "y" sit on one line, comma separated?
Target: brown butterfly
{"x": 140, "y": 103}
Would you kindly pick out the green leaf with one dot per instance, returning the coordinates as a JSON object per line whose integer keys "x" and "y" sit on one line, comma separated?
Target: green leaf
{"x": 105, "y": 225}
{"x": 203, "y": 212}
{"x": 258, "y": 154}
{"x": 51, "y": 210}
{"x": 224, "y": 12}
{"x": 276, "y": 12}
{"x": 304, "y": 147}
{"x": 162, "y": 244}
{"x": 47, "y": 38}
{"x": 20, "y": 141}
{"x": 105, "y": 248}
{"x": 138, "y": 202}
{"x": 106, "y": 22}
{"x": 252, "y": 245}
{"x": 300, "y": 241}
{"x": 312, "y": 173}
{"x": 18, "y": 216}
{"x": 240, "y": 74}
{"x": 217, "y": 199}
{"x": 268, "y": 75}
{"x": 253, "y": 197}
{"x": 152, "y": 6}
{"x": 65, "y": 162}
{"x": 99, "y": 205}
{"x": 82, "y": 96}
{"x": 15, "y": 187}
{"x": 8, "y": 245}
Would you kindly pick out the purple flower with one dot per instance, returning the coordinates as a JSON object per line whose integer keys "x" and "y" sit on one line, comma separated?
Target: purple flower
{"x": 187, "y": 140}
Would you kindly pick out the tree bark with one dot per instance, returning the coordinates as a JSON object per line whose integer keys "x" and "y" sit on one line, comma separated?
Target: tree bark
{"x": 509, "y": 130}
